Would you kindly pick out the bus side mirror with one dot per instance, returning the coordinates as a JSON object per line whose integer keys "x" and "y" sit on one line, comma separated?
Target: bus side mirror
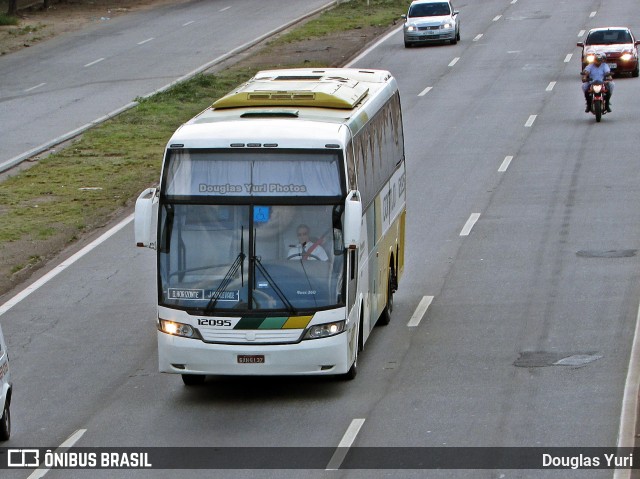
{"x": 145, "y": 218}
{"x": 352, "y": 220}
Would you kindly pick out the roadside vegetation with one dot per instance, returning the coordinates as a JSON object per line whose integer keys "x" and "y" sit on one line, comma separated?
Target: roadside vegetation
{"x": 8, "y": 19}
{"x": 89, "y": 182}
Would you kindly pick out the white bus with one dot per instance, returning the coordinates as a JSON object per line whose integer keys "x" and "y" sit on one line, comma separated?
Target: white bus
{"x": 279, "y": 226}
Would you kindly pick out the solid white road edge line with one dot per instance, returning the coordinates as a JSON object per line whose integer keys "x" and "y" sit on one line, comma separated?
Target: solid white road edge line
{"x": 420, "y": 311}
{"x": 345, "y": 444}
{"x": 71, "y": 440}
{"x": 628, "y": 414}
{"x": 372, "y": 47}
{"x": 62, "y": 266}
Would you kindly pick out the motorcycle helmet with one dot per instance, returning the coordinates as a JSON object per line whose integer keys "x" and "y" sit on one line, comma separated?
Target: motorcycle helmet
{"x": 599, "y": 58}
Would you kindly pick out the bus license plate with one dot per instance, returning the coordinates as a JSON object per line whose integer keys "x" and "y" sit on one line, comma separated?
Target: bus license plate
{"x": 251, "y": 358}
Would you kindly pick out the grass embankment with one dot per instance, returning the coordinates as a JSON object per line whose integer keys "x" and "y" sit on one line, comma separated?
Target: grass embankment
{"x": 85, "y": 185}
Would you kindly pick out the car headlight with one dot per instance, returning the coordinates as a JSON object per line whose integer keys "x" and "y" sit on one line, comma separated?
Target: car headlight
{"x": 411, "y": 28}
{"x": 324, "y": 330}
{"x": 626, "y": 57}
{"x": 446, "y": 25}
{"x": 176, "y": 329}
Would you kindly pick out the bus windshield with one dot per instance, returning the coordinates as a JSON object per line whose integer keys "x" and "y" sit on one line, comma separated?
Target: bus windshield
{"x": 249, "y": 257}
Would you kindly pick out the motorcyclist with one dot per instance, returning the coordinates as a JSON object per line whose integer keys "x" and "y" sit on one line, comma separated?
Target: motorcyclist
{"x": 597, "y": 71}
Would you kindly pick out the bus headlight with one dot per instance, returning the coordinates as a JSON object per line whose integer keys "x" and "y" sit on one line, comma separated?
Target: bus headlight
{"x": 324, "y": 330}
{"x": 176, "y": 329}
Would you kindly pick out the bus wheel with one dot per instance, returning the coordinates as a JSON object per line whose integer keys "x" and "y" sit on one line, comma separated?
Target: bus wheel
{"x": 385, "y": 317}
{"x": 193, "y": 379}
{"x": 353, "y": 370}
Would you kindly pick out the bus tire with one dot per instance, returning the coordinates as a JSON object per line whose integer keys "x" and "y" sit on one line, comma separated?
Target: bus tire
{"x": 193, "y": 379}
{"x": 385, "y": 317}
{"x": 353, "y": 370}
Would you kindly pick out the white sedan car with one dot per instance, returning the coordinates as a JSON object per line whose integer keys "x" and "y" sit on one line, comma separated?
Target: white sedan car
{"x": 431, "y": 21}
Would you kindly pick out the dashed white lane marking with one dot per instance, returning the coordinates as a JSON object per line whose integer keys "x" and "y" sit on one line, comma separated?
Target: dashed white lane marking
{"x": 550, "y": 86}
{"x": 345, "y": 444}
{"x": 75, "y": 437}
{"x": 146, "y": 41}
{"x": 469, "y": 224}
{"x": 530, "y": 121}
{"x": 425, "y": 91}
{"x": 94, "y": 62}
{"x": 505, "y": 164}
{"x": 454, "y": 61}
{"x": 34, "y": 87}
{"x": 420, "y": 311}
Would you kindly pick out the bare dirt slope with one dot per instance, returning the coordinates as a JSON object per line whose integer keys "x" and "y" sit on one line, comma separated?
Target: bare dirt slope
{"x": 71, "y": 15}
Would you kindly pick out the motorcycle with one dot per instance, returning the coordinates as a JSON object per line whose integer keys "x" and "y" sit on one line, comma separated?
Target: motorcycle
{"x": 598, "y": 94}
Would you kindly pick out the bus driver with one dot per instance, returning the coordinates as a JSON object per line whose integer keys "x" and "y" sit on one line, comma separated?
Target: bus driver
{"x": 306, "y": 249}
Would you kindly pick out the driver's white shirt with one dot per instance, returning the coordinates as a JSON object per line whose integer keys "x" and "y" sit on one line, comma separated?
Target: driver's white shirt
{"x": 299, "y": 251}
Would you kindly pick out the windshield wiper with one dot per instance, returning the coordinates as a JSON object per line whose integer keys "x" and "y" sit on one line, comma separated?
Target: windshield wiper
{"x": 167, "y": 230}
{"x": 233, "y": 269}
{"x": 273, "y": 284}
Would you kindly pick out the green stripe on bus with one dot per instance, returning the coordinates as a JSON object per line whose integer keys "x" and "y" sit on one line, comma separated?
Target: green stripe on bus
{"x": 249, "y": 323}
{"x": 273, "y": 323}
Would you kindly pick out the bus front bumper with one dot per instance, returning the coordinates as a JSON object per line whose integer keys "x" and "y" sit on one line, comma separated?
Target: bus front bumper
{"x": 326, "y": 356}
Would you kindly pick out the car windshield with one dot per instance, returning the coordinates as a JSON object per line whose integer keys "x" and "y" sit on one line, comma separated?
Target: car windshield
{"x": 429, "y": 9}
{"x": 608, "y": 37}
